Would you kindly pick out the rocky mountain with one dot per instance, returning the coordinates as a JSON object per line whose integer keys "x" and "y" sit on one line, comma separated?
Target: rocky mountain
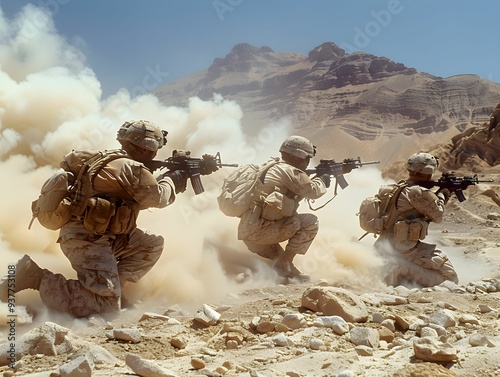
{"x": 333, "y": 96}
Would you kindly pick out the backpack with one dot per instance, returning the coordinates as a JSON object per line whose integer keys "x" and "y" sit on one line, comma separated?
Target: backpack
{"x": 67, "y": 191}
{"x": 374, "y": 212}
{"x": 240, "y": 188}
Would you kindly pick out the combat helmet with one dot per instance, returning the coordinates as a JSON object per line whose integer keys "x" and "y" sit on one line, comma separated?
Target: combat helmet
{"x": 141, "y": 133}
{"x": 424, "y": 163}
{"x": 298, "y": 146}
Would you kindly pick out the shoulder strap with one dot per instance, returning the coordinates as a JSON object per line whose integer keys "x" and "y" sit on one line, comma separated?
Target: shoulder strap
{"x": 265, "y": 168}
{"x": 393, "y": 202}
{"x": 81, "y": 190}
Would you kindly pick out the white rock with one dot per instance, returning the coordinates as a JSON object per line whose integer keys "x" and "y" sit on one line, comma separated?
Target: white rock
{"x": 334, "y": 322}
{"x": 294, "y": 321}
{"x": 480, "y": 340}
{"x": 127, "y": 334}
{"x": 207, "y": 316}
{"x": 147, "y": 368}
{"x": 79, "y": 367}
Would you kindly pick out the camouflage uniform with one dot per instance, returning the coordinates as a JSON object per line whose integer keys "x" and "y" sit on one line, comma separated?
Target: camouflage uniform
{"x": 270, "y": 222}
{"x": 104, "y": 262}
{"x": 416, "y": 261}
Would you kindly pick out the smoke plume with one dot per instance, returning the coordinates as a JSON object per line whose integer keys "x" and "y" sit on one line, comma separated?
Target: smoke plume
{"x": 50, "y": 103}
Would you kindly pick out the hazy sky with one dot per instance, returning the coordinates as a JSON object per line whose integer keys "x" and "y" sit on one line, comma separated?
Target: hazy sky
{"x": 134, "y": 44}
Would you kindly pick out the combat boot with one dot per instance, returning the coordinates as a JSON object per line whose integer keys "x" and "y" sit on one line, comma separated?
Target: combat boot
{"x": 283, "y": 265}
{"x": 27, "y": 275}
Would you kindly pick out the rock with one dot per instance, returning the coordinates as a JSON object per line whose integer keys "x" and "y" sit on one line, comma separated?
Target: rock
{"x": 388, "y": 323}
{"x": 440, "y": 330}
{"x": 485, "y": 308}
{"x": 452, "y": 287}
{"x": 443, "y": 318}
{"x": 479, "y": 340}
{"x": 316, "y": 344}
{"x": 401, "y": 322}
{"x": 281, "y": 340}
{"x": 386, "y": 299}
{"x": 469, "y": 318}
{"x": 167, "y": 319}
{"x": 428, "y": 349}
{"x": 127, "y": 334}
{"x": 232, "y": 344}
{"x": 207, "y": 316}
{"x": 336, "y": 323}
{"x": 386, "y": 335}
{"x": 44, "y": 340}
{"x": 493, "y": 216}
{"x": 428, "y": 331}
{"x": 365, "y": 336}
{"x": 79, "y": 367}
{"x": 178, "y": 343}
{"x": 377, "y": 317}
{"x": 335, "y": 301}
{"x": 197, "y": 363}
{"x": 294, "y": 321}
{"x": 146, "y": 368}
{"x": 364, "y": 350}
{"x": 222, "y": 370}
{"x": 265, "y": 327}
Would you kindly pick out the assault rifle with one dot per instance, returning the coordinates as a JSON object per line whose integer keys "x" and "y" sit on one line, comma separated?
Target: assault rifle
{"x": 193, "y": 166}
{"x": 453, "y": 183}
{"x": 337, "y": 170}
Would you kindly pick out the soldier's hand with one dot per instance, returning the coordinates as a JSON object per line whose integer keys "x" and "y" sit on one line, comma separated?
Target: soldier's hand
{"x": 179, "y": 177}
{"x": 326, "y": 179}
{"x": 445, "y": 194}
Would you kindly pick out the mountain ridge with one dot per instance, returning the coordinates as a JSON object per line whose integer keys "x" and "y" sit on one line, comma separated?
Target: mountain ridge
{"x": 330, "y": 93}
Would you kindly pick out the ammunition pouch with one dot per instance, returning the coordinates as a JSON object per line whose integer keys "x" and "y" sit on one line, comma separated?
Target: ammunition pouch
{"x": 98, "y": 214}
{"x": 102, "y": 215}
{"x": 124, "y": 220}
{"x": 277, "y": 206}
{"x": 410, "y": 230}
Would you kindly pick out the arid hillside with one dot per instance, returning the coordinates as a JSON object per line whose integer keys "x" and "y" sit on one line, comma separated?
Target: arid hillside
{"x": 367, "y": 101}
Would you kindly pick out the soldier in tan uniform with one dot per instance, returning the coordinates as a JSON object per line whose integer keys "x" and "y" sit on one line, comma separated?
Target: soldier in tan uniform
{"x": 105, "y": 261}
{"x": 409, "y": 259}
{"x": 274, "y": 219}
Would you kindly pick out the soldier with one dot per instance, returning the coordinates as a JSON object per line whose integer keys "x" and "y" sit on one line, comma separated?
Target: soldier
{"x": 416, "y": 206}
{"x": 274, "y": 219}
{"x": 104, "y": 260}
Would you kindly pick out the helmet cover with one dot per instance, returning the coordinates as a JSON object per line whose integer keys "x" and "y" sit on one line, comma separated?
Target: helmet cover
{"x": 298, "y": 146}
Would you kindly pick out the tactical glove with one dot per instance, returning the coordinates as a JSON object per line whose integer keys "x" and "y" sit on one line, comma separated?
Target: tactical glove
{"x": 326, "y": 179}
{"x": 179, "y": 177}
{"x": 444, "y": 194}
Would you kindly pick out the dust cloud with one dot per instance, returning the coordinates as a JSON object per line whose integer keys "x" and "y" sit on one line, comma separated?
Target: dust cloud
{"x": 51, "y": 103}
